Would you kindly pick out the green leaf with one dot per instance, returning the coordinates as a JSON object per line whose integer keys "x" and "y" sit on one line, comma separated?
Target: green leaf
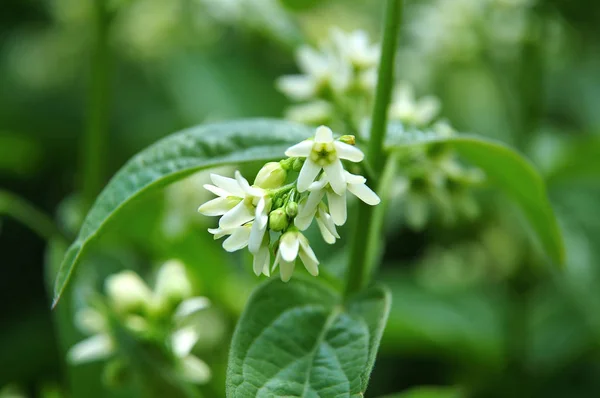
{"x": 508, "y": 170}
{"x": 429, "y": 392}
{"x": 299, "y": 339}
{"x": 174, "y": 158}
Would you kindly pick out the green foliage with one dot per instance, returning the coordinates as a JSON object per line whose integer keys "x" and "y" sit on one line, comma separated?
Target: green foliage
{"x": 174, "y": 158}
{"x": 300, "y": 339}
{"x": 429, "y": 392}
{"x": 506, "y": 169}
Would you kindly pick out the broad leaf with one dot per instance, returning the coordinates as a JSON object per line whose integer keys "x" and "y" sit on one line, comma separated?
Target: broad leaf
{"x": 174, "y": 158}
{"x": 299, "y": 339}
{"x": 508, "y": 170}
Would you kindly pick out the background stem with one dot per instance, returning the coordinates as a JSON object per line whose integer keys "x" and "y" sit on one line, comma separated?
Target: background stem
{"x": 94, "y": 143}
{"x": 358, "y": 269}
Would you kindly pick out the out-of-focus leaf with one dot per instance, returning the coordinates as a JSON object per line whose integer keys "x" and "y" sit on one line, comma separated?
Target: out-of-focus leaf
{"x": 429, "y": 392}
{"x": 579, "y": 160}
{"x": 174, "y": 158}
{"x": 19, "y": 154}
{"x": 300, "y": 4}
{"x": 299, "y": 339}
{"x": 506, "y": 169}
{"x": 465, "y": 324}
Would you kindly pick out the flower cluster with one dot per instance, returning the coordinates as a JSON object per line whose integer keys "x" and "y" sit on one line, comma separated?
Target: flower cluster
{"x": 160, "y": 318}
{"x": 255, "y": 215}
{"x": 336, "y": 79}
{"x": 432, "y": 177}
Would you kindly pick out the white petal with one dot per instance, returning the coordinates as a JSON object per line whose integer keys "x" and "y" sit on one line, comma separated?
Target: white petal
{"x": 219, "y": 232}
{"x": 259, "y": 226}
{"x": 335, "y": 176}
{"x": 427, "y": 109}
{"x": 297, "y": 87}
{"x": 320, "y": 184}
{"x": 216, "y": 190}
{"x": 348, "y": 152}
{"x": 239, "y": 215}
{"x": 288, "y": 246}
{"x": 238, "y": 239}
{"x": 354, "y": 178}
{"x": 327, "y": 236}
{"x": 300, "y": 150}
{"x": 286, "y": 270}
{"x": 323, "y": 134}
{"x": 194, "y": 370}
{"x": 302, "y": 223}
{"x": 217, "y": 206}
{"x": 242, "y": 182}
{"x": 364, "y": 193}
{"x": 311, "y": 266}
{"x": 260, "y": 259}
{"x": 326, "y": 221}
{"x": 91, "y": 349}
{"x": 337, "y": 207}
{"x": 90, "y": 321}
{"x": 307, "y": 175}
{"x": 190, "y": 306}
{"x": 308, "y": 207}
{"x": 183, "y": 340}
{"x": 228, "y": 184}
{"x": 306, "y": 249}
{"x": 311, "y": 61}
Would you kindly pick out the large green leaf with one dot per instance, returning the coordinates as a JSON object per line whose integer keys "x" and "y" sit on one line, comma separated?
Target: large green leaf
{"x": 298, "y": 339}
{"x": 508, "y": 170}
{"x": 174, "y": 158}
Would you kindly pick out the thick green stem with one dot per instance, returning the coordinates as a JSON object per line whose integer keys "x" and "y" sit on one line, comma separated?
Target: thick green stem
{"x": 94, "y": 145}
{"x": 360, "y": 256}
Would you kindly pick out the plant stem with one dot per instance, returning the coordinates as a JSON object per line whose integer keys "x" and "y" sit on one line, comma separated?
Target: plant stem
{"x": 30, "y": 216}
{"x": 94, "y": 145}
{"x": 360, "y": 255}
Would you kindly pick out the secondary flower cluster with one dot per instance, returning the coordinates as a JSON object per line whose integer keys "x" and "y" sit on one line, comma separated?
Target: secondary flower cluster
{"x": 155, "y": 318}
{"x": 255, "y": 215}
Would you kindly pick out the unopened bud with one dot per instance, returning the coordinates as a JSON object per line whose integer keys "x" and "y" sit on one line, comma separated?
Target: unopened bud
{"x": 128, "y": 292}
{"x": 348, "y": 139}
{"x": 272, "y": 175}
{"x": 298, "y": 163}
{"x": 278, "y": 220}
{"x": 291, "y": 209}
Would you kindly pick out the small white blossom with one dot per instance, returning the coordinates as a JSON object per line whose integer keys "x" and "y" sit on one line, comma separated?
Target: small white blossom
{"x": 307, "y": 211}
{"x": 259, "y": 226}
{"x": 236, "y": 200}
{"x": 94, "y": 348}
{"x": 323, "y": 153}
{"x": 407, "y": 109}
{"x": 128, "y": 292}
{"x": 356, "y": 48}
{"x": 294, "y": 244}
{"x": 238, "y": 236}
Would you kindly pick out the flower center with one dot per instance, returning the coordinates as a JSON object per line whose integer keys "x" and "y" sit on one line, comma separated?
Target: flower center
{"x": 323, "y": 153}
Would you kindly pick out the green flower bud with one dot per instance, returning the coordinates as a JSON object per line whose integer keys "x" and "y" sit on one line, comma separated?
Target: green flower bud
{"x": 272, "y": 175}
{"x": 278, "y": 220}
{"x": 291, "y": 209}
{"x": 348, "y": 139}
{"x": 298, "y": 163}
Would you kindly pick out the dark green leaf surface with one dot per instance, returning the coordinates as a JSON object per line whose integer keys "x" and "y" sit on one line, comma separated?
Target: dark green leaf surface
{"x": 174, "y": 158}
{"x": 298, "y": 339}
{"x": 509, "y": 171}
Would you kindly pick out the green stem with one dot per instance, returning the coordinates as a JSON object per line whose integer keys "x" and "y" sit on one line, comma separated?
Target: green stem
{"x": 26, "y": 213}
{"x": 94, "y": 145}
{"x": 361, "y": 254}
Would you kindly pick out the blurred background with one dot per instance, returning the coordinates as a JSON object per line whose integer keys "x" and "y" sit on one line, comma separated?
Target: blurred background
{"x": 477, "y": 310}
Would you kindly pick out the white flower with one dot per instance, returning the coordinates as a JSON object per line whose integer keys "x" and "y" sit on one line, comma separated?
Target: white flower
{"x": 323, "y": 153}
{"x": 128, "y": 292}
{"x": 236, "y": 200}
{"x": 337, "y": 203}
{"x": 307, "y": 211}
{"x": 262, "y": 258}
{"x": 95, "y": 348}
{"x": 294, "y": 244}
{"x": 355, "y": 48}
{"x": 172, "y": 284}
{"x": 407, "y": 109}
{"x": 192, "y": 368}
{"x": 259, "y": 226}
{"x": 321, "y": 70}
{"x": 314, "y": 112}
{"x": 238, "y": 236}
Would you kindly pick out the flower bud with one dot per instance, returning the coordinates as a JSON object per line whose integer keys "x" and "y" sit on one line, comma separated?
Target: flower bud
{"x": 172, "y": 284}
{"x": 348, "y": 139}
{"x": 127, "y": 292}
{"x": 291, "y": 209}
{"x": 272, "y": 175}
{"x": 278, "y": 220}
{"x": 298, "y": 163}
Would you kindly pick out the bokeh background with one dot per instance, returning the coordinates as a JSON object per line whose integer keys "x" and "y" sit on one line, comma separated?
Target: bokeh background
{"x": 476, "y": 306}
